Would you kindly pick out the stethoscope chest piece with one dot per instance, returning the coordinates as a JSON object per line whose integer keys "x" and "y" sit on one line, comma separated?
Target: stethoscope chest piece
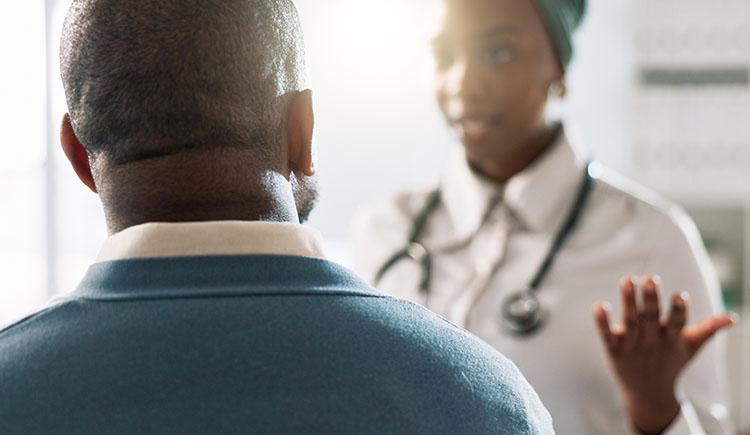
{"x": 522, "y": 314}
{"x": 417, "y": 252}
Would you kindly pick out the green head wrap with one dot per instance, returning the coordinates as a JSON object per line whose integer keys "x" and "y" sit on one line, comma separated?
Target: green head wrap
{"x": 562, "y": 18}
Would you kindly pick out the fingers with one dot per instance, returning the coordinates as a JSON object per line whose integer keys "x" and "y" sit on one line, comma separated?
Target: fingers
{"x": 629, "y": 307}
{"x": 697, "y": 336}
{"x": 602, "y": 316}
{"x": 650, "y": 312}
{"x": 677, "y": 316}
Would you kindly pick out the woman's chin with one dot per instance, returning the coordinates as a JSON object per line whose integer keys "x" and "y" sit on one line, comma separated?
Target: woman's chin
{"x": 486, "y": 148}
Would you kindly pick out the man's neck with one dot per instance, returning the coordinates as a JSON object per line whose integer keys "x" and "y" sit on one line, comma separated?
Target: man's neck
{"x": 194, "y": 190}
{"x": 251, "y": 212}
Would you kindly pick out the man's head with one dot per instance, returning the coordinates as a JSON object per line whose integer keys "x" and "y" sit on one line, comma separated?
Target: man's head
{"x": 183, "y": 106}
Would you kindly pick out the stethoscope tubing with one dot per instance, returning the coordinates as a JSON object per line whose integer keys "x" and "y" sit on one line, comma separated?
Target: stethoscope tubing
{"x": 417, "y": 252}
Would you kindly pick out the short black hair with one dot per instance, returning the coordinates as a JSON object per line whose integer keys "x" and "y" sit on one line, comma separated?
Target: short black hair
{"x": 146, "y": 78}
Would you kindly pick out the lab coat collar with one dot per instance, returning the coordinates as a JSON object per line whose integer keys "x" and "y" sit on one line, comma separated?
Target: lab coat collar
{"x": 466, "y": 195}
{"x": 536, "y": 196}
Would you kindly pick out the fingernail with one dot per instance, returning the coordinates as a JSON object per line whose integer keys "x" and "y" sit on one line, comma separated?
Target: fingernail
{"x": 629, "y": 290}
{"x": 656, "y": 280}
{"x": 735, "y": 318}
{"x": 607, "y": 306}
{"x": 685, "y": 296}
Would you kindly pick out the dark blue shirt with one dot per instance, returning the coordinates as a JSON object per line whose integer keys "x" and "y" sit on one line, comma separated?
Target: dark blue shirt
{"x": 251, "y": 344}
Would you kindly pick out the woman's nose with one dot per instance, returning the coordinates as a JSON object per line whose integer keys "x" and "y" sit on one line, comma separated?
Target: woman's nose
{"x": 465, "y": 81}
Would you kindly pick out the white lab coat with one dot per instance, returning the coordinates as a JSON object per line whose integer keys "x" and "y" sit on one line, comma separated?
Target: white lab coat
{"x": 625, "y": 229}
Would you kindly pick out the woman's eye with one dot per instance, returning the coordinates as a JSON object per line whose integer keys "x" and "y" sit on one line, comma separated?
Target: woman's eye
{"x": 500, "y": 55}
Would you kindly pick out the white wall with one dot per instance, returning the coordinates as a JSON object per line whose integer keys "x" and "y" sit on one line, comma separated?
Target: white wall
{"x": 378, "y": 127}
{"x": 22, "y": 144}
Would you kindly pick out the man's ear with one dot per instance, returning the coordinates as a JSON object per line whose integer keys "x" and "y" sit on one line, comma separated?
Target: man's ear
{"x": 76, "y": 153}
{"x": 300, "y": 133}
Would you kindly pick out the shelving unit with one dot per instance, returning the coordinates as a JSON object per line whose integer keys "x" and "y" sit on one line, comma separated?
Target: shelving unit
{"x": 694, "y": 75}
{"x": 692, "y": 141}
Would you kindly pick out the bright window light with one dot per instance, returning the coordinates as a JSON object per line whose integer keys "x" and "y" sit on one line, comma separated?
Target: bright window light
{"x": 22, "y": 122}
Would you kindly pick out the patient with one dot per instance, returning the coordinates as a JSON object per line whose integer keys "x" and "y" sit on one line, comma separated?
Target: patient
{"x": 210, "y": 309}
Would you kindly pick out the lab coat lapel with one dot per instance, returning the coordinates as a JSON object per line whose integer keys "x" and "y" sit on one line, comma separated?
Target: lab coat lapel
{"x": 541, "y": 195}
{"x": 466, "y": 196}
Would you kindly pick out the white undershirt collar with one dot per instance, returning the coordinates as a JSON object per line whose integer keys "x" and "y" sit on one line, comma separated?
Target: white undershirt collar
{"x": 159, "y": 240}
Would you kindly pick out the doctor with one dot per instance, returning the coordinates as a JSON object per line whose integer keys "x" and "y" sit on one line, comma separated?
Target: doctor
{"x": 523, "y": 235}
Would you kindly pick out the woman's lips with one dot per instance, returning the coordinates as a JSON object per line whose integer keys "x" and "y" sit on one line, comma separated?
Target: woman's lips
{"x": 474, "y": 130}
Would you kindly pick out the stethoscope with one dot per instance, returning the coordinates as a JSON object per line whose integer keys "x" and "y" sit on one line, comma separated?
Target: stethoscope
{"x": 522, "y": 312}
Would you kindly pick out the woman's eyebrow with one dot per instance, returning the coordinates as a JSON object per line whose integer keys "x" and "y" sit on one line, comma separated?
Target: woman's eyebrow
{"x": 499, "y": 31}
{"x": 484, "y": 34}
{"x": 505, "y": 30}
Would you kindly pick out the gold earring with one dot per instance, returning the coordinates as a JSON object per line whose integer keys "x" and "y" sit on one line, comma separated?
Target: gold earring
{"x": 559, "y": 89}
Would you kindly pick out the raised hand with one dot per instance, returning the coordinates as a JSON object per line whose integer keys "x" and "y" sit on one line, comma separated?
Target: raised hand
{"x": 648, "y": 352}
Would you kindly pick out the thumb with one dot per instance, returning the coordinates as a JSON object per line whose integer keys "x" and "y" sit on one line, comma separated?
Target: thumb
{"x": 698, "y": 335}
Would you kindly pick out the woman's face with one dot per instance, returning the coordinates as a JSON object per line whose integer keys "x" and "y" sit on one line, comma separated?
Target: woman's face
{"x": 495, "y": 65}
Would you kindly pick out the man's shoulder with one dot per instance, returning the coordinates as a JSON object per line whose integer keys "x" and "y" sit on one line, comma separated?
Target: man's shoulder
{"x": 378, "y": 317}
{"x": 335, "y": 345}
{"x": 431, "y": 358}
{"x": 31, "y": 319}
